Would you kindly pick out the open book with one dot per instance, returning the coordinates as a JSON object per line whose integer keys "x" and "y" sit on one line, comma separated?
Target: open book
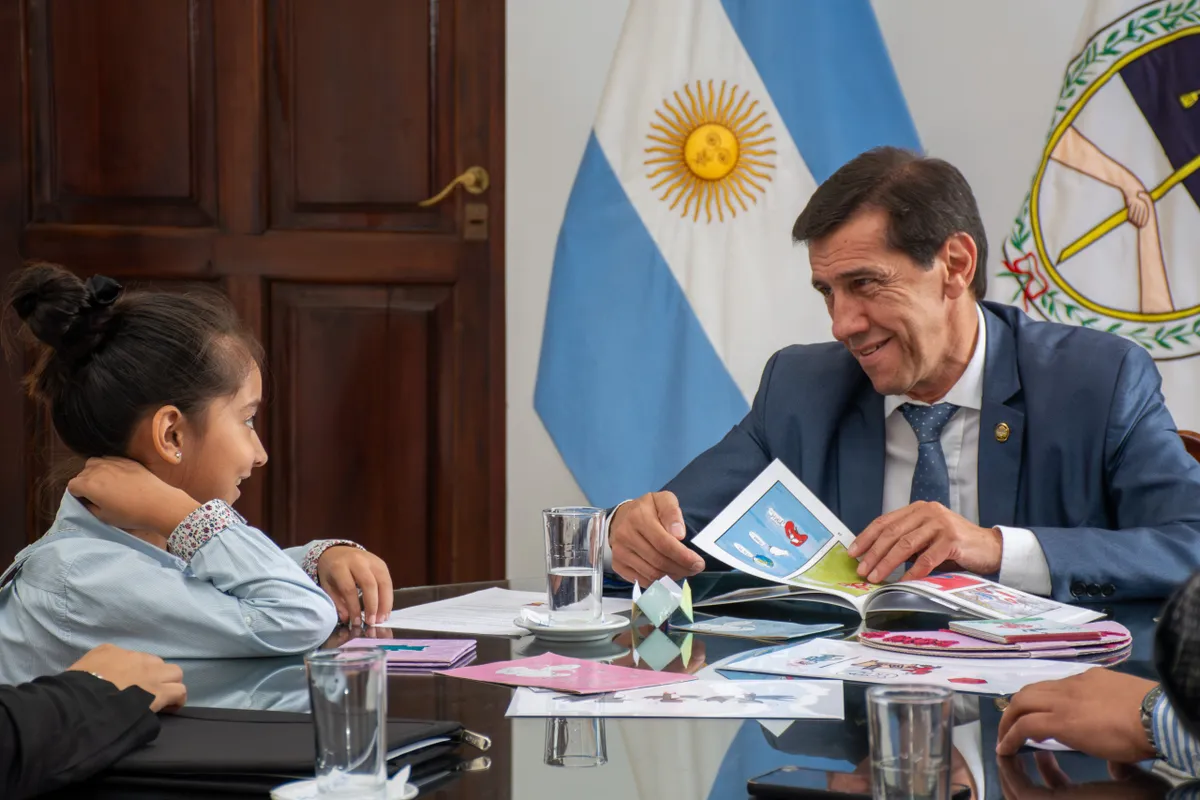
{"x": 776, "y": 529}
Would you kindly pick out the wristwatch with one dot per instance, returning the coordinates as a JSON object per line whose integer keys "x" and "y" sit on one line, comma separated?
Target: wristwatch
{"x": 1148, "y": 704}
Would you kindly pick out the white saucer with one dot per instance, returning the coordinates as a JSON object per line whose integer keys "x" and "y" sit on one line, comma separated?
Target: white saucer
{"x": 589, "y": 632}
{"x": 307, "y": 790}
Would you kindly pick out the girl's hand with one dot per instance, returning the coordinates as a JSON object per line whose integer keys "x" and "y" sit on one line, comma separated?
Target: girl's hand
{"x": 126, "y": 495}
{"x": 342, "y": 571}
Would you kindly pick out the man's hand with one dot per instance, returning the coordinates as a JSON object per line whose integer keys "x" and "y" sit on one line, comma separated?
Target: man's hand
{"x": 1128, "y": 783}
{"x": 1097, "y": 712}
{"x": 126, "y": 495}
{"x": 125, "y": 668}
{"x": 928, "y": 534}
{"x": 343, "y": 570}
{"x": 646, "y": 536}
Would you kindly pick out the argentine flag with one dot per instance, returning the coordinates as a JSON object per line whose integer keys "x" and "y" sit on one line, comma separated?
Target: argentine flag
{"x": 675, "y": 277}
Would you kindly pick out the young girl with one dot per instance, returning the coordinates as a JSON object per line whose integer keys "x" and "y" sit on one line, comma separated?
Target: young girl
{"x": 158, "y": 391}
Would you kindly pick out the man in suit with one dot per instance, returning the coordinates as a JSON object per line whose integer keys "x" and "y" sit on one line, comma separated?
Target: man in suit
{"x": 946, "y": 431}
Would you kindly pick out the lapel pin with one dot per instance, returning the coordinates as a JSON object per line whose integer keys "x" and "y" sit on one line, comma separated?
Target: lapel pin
{"x": 1003, "y": 432}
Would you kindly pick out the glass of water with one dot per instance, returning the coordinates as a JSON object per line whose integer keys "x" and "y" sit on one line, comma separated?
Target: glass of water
{"x": 348, "y": 692}
{"x": 574, "y": 564}
{"x": 910, "y": 731}
{"x": 575, "y": 742}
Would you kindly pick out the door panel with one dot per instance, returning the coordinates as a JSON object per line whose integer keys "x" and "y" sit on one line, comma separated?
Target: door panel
{"x": 122, "y": 134}
{"x": 278, "y": 149}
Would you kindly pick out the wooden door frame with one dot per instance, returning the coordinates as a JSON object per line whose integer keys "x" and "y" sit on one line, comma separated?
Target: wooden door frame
{"x": 480, "y": 29}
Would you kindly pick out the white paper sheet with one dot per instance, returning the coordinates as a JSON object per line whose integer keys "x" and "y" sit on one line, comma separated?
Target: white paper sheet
{"x": 488, "y": 612}
{"x": 721, "y": 699}
{"x": 854, "y": 662}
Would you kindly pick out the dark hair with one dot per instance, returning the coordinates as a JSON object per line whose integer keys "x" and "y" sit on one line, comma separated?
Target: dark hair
{"x": 108, "y": 357}
{"x": 927, "y": 201}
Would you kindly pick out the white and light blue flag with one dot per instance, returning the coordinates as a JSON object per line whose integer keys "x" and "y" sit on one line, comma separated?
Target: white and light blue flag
{"x": 1108, "y": 234}
{"x": 675, "y": 277}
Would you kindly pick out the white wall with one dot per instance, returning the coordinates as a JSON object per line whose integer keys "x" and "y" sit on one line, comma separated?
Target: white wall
{"x": 980, "y": 78}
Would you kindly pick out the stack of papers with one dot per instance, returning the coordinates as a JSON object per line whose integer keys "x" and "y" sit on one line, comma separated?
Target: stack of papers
{"x": 489, "y": 612}
{"x": 1032, "y": 639}
{"x": 420, "y": 655}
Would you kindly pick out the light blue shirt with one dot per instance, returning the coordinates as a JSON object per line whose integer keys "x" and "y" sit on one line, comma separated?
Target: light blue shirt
{"x": 86, "y": 583}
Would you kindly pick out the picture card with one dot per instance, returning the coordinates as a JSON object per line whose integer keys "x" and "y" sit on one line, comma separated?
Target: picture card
{"x": 576, "y": 676}
{"x": 701, "y": 699}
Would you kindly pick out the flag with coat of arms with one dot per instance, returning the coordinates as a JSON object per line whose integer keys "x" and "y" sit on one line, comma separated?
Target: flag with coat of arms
{"x": 675, "y": 277}
{"x": 1108, "y": 235}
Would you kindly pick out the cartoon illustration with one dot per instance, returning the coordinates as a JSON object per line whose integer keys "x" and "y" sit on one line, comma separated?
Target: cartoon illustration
{"x": 667, "y": 697}
{"x": 743, "y": 550}
{"x": 764, "y": 561}
{"x": 778, "y": 551}
{"x": 1007, "y": 602}
{"x": 861, "y": 586}
{"x": 973, "y": 681}
{"x": 548, "y": 671}
{"x": 812, "y": 661}
{"x": 758, "y": 540}
{"x": 871, "y": 667}
{"x": 794, "y": 536}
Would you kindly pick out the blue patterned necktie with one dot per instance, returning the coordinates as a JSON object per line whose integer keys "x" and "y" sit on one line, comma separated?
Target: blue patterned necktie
{"x": 931, "y": 479}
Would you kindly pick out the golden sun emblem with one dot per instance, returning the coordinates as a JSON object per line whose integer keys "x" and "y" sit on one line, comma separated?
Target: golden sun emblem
{"x": 708, "y": 151}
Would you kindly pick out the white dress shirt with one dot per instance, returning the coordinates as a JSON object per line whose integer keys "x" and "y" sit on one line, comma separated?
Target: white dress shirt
{"x": 1023, "y": 564}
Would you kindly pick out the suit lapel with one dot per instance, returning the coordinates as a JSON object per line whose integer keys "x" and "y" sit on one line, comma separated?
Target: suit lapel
{"x": 1001, "y": 427}
{"x": 860, "y": 461}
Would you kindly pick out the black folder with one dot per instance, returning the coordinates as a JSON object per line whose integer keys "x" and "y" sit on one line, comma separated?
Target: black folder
{"x": 246, "y": 751}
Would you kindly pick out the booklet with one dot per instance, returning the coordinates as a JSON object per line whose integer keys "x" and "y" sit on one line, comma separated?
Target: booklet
{"x": 420, "y": 655}
{"x": 851, "y": 661}
{"x": 778, "y": 530}
{"x": 1028, "y": 630}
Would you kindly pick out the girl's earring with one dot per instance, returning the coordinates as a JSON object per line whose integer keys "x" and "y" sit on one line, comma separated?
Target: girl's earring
{"x": 178, "y": 456}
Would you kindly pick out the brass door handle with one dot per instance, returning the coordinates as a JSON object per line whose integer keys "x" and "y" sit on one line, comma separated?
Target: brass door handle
{"x": 475, "y": 180}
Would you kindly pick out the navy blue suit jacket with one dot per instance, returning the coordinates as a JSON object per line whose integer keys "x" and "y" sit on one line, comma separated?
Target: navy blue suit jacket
{"x": 1093, "y": 465}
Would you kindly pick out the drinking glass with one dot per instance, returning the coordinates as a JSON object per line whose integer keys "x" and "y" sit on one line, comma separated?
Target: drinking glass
{"x": 348, "y": 692}
{"x": 574, "y": 564}
{"x": 910, "y": 728}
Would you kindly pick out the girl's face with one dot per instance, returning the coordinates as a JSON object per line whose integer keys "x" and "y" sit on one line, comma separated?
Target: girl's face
{"x": 222, "y": 453}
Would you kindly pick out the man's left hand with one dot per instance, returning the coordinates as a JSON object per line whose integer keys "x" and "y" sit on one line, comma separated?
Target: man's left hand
{"x": 928, "y": 534}
{"x": 342, "y": 571}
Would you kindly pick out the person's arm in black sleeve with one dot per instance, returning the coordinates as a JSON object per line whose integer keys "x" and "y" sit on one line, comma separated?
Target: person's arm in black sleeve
{"x": 65, "y": 728}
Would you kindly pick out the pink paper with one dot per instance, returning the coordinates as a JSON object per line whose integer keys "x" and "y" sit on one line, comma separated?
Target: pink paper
{"x": 947, "y": 642}
{"x": 577, "y": 676}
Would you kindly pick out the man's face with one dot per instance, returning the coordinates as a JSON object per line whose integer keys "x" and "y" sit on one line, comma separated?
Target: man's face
{"x": 889, "y": 312}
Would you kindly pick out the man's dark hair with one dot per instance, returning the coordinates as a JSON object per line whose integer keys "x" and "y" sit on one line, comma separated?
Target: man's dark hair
{"x": 926, "y": 199}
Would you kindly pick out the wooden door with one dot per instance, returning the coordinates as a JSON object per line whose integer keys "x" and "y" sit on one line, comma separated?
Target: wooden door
{"x": 280, "y": 150}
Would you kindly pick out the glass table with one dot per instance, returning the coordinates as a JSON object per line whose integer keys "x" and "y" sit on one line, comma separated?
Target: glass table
{"x": 651, "y": 759}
